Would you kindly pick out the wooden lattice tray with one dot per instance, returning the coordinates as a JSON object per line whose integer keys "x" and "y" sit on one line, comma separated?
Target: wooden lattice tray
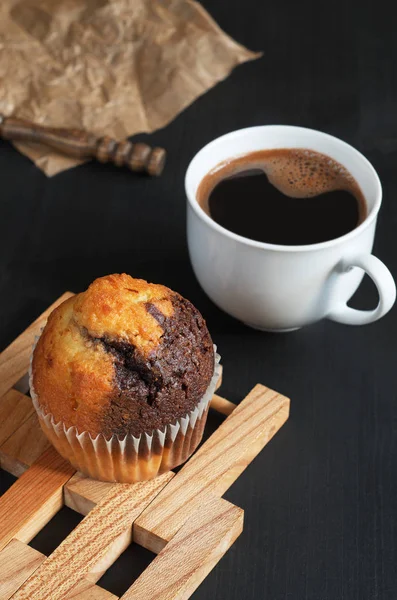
{"x": 181, "y": 517}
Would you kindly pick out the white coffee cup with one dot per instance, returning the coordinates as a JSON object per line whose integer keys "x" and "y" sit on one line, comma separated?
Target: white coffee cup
{"x": 281, "y": 288}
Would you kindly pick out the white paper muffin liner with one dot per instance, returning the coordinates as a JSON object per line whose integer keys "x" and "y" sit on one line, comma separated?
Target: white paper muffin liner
{"x": 131, "y": 458}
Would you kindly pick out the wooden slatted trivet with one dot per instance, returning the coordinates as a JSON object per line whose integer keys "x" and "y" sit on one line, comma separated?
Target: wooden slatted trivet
{"x": 182, "y": 518}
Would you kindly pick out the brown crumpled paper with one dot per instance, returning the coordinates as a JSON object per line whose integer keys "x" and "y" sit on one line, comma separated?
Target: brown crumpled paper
{"x": 113, "y": 67}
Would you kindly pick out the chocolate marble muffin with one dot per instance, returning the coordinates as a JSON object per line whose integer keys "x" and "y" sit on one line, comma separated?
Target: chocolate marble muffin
{"x": 121, "y": 378}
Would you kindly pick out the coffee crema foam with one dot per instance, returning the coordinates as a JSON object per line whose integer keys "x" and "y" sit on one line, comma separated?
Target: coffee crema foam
{"x": 295, "y": 172}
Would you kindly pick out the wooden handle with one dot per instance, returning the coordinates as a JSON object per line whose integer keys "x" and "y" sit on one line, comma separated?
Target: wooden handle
{"x": 82, "y": 144}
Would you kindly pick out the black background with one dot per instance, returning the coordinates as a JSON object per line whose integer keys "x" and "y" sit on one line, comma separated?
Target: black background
{"x": 321, "y": 500}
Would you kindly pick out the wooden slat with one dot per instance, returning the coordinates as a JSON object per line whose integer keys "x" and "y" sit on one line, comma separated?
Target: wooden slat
{"x": 14, "y": 360}
{"x": 15, "y": 408}
{"x": 82, "y": 493}
{"x": 18, "y": 561}
{"x": 188, "y": 558}
{"x": 223, "y": 406}
{"x": 94, "y": 544}
{"x": 214, "y": 467}
{"x": 34, "y": 498}
{"x": 23, "y": 447}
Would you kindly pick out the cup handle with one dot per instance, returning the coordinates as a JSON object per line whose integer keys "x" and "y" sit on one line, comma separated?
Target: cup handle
{"x": 384, "y": 282}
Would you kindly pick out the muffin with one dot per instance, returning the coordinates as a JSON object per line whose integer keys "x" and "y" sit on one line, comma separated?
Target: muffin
{"x": 121, "y": 378}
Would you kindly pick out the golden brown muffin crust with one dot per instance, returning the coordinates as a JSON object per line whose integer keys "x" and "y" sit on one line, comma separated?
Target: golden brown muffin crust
{"x": 114, "y": 306}
{"x": 126, "y": 356}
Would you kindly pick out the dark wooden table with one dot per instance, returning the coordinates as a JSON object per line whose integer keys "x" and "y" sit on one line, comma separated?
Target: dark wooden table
{"x": 321, "y": 499}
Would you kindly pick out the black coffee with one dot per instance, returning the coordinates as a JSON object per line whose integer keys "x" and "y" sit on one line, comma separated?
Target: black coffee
{"x": 283, "y": 196}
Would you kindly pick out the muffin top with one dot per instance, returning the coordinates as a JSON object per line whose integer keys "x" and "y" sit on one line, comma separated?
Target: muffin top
{"x": 126, "y": 356}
